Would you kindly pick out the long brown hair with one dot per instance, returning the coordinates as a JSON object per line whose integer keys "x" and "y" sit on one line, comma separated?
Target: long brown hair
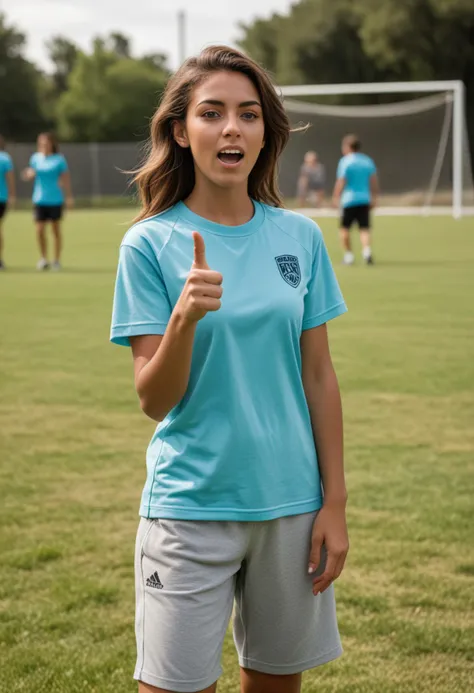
{"x": 167, "y": 175}
{"x": 53, "y": 140}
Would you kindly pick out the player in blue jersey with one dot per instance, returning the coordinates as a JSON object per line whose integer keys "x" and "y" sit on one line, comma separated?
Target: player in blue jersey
{"x": 52, "y": 188}
{"x": 7, "y": 190}
{"x": 224, "y": 297}
{"x": 356, "y": 193}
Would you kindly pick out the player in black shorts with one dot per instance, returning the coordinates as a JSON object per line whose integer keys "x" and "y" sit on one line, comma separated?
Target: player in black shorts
{"x": 355, "y": 192}
{"x": 52, "y": 188}
{"x": 7, "y": 190}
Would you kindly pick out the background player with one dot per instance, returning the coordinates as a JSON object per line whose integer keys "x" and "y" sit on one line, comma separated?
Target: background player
{"x": 356, "y": 193}
{"x": 7, "y": 190}
{"x": 311, "y": 180}
{"x": 49, "y": 169}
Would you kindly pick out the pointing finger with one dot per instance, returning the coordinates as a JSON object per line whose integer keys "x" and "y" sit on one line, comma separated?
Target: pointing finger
{"x": 200, "y": 261}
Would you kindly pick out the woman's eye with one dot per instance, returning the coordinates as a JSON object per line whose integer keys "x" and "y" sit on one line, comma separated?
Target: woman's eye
{"x": 250, "y": 116}
{"x": 210, "y": 114}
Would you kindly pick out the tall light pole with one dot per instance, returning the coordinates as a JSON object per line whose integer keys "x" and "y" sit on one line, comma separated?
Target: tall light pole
{"x": 181, "y": 36}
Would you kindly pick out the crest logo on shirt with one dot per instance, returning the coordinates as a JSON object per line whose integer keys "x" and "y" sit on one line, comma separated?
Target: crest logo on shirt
{"x": 289, "y": 267}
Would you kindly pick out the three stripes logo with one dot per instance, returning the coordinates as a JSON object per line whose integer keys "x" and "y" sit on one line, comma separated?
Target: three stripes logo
{"x": 154, "y": 581}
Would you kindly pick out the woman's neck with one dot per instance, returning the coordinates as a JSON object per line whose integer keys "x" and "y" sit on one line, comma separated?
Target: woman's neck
{"x": 227, "y": 206}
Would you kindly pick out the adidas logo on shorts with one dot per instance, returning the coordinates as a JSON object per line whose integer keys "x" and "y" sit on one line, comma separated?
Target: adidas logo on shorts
{"x": 154, "y": 581}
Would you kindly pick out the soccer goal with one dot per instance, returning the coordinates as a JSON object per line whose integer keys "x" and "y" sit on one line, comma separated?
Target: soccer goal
{"x": 420, "y": 145}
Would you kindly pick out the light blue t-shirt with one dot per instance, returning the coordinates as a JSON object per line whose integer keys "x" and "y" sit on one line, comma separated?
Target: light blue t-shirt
{"x": 48, "y": 169}
{"x": 239, "y": 445}
{"x": 5, "y": 166}
{"x": 356, "y": 169}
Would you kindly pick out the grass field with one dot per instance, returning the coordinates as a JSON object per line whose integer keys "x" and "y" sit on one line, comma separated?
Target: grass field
{"x": 72, "y": 466}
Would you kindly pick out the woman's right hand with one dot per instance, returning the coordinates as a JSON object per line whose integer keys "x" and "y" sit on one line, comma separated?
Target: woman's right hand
{"x": 28, "y": 174}
{"x": 202, "y": 291}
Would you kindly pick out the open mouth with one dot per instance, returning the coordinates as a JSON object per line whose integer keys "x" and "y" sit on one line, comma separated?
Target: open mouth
{"x": 230, "y": 156}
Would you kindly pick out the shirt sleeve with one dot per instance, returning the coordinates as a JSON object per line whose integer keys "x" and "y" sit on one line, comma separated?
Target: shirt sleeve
{"x": 373, "y": 167}
{"x": 141, "y": 303}
{"x": 341, "y": 169}
{"x": 324, "y": 300}
{"x": 8, "y": 164}
{"x": 63, "y": 167}
{"x": 32, "y": 162}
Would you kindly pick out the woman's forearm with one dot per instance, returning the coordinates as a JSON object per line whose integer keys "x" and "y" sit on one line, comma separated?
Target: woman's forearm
{"x": 66, "y": 183}
{"x": 338, "y": 188}
{"x": 11, "y": 185}
{"x": 324, "y": 402}
{"x": 163, "y": 381}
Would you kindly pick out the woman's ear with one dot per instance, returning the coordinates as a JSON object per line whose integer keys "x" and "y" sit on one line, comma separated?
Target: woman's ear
{"x": 179, "y": 133}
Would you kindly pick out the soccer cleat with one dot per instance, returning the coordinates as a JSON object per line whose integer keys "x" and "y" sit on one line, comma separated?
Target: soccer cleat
{"x": 56, "y": 266}
{"x": 369, "y": 260}
{"x": 42, "y": 265}
{"x": 2, "y": 266}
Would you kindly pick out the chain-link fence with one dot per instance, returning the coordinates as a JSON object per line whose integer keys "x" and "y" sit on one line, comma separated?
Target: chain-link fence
{"x": 98, "y": 170}
{"x": 405, "y": 150}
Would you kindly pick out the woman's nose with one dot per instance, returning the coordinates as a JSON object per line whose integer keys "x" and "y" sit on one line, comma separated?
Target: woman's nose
{"x": 232, "y": 126}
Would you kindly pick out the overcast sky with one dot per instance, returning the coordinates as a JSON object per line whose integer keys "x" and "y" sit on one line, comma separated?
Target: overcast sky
{"x": 151, "y": 24}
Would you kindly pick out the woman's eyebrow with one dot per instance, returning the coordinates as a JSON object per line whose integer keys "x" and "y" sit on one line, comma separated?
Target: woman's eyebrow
{"x": 216, "y": 102}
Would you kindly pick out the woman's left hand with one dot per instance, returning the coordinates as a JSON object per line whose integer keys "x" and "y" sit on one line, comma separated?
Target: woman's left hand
{"x": 28, "y": 174}
{"x": 330, "y": 529}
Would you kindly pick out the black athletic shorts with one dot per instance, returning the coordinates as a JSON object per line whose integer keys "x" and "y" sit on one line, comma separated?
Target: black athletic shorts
{"x": 48, "y": 212}
{"x": 359, "y": 214}
{"x": 3, "y": 209}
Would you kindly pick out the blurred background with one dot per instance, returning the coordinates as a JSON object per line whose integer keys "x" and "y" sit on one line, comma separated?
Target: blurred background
{"x": 95, "y": 81}
{"x": 72, "y": 438}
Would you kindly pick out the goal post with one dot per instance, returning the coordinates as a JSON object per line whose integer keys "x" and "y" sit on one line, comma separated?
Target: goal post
{"x": 453, "y": 88}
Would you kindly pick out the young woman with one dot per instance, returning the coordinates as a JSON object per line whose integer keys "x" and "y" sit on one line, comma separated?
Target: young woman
{"x": 7, "y": 190}
{"x": 224, "y": 296}
{"x": 312, "y": 180}
{"x": 48, "y": 168}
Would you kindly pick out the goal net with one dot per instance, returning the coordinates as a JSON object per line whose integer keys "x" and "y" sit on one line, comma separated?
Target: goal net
{"x": 412, "y": 143}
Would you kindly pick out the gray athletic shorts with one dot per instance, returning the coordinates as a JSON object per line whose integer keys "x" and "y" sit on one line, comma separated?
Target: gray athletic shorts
{"x": 188, "y": 574}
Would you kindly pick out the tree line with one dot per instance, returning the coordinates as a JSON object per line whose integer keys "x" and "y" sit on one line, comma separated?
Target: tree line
{"x": 108, "y": 94}
{"x": 331, "y": 41}
{"x": 105, "y": 95}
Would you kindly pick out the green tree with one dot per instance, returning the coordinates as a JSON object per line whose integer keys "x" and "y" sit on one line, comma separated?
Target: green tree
{"x": 421, "y": 39}
{"x": 80, "y": 112}
{"x": 326, "y": 46}
{"x": 63, "y": 54}
{"x": 424, "y": 40}
{"x": 317, "y": 42}
{"x": 261, "y": 41}
{"x": 330, "y": 41}
{"x": 157, "y": 60}
{"x": 134, "y": 88}
{"x": 119, "y": 44}
{"x": 342, "y": 41}
{"x": 20, "y": 112}
{"x": 110, "y": 97}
